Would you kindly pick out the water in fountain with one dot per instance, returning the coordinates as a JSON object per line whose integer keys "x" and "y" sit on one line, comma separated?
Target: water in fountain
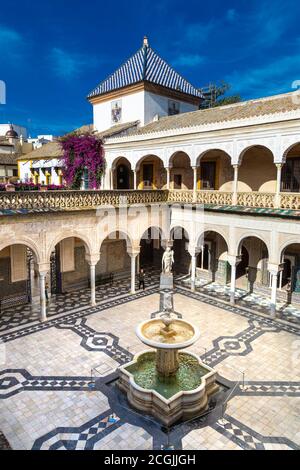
{"x": 187, "y": 377}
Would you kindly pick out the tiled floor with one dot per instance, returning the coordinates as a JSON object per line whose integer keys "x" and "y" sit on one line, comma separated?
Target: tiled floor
{"x": 47, "y": 401}
{"x": 257, "y": 301}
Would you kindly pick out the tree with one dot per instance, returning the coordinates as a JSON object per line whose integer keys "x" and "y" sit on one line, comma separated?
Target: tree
{"x": 214, "y": 96}
{"x": 82, "y": 153}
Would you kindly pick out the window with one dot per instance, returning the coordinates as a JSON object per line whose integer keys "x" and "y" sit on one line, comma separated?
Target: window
{"x": 290, "y": 180}
{"x": 173, "y": 107}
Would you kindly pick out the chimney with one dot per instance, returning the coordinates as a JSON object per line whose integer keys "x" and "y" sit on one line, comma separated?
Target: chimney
{"x": 145, "y": 42}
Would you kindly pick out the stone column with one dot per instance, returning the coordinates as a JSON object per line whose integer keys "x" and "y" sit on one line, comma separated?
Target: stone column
{"x": 278, "y": 185}
{"x": 43, "y": 313}
{"x": 92, "y": 261}
{"x": 195, "y": 183}
{"x": 134, "y": 179}
{"x": 235, "y": 185}
{"x": 233, "y": 261}
{"x": 133, "y": 255}
{"x": 168, "y": 176}
{"x": 194, "y": 253}
{"x": 274, "y": 277}
{"x": 111, "y": 174}
{"x": 274, "y": 270}
{"x": 93, "y": 284}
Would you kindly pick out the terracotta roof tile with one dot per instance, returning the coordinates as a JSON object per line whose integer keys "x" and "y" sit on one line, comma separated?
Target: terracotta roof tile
{"x": 246, "y": 109}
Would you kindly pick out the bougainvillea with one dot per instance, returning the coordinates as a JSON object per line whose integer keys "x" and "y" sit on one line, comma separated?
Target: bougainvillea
{"x": 82, "y": 153}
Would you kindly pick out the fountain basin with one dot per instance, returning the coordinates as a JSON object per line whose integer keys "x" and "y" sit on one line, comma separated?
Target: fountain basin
{"x": 170, "y": 399}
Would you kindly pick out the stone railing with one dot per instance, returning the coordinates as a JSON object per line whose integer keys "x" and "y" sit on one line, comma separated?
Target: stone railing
{"x": 290, "y": 201}
{"x": 201, "y": 197}
{"x": 77, "y": 200}
{"x": 256, "y": 199}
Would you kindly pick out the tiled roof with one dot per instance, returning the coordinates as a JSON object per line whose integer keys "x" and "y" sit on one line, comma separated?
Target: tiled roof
{"x": 118, "y": 129}
{"x": 53, "y": 149}
{"x": 246, "y": 109}
{"x": 145, "y": 65}
{"x": 8, "y": 159}
{"x": 49, "y": 150}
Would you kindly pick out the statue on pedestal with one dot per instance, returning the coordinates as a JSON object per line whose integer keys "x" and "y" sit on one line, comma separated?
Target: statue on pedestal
{"x": 167, "y": 261}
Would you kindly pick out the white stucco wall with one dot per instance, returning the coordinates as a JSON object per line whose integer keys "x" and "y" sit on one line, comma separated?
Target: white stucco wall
{"x": 132, "y": 110}
{"x": 156, "y": 104}
{"x": 142, "y": 106}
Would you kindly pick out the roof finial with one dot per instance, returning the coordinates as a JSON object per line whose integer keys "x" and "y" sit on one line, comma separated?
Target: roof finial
{"x": 145, "y": 42}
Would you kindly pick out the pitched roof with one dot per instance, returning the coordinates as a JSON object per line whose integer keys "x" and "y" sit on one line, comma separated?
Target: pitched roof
{"x": 53, "y": 149}
{"x": 247, "y": 109}
{"x": 8, "y": 159}
{"x": 145, "y": 65}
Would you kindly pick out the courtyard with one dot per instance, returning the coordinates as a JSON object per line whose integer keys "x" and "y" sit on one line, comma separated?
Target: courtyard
{"x": 58, "y": 378}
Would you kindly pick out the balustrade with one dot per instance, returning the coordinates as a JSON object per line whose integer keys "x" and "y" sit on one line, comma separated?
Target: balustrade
{"x": 81, "y": 200}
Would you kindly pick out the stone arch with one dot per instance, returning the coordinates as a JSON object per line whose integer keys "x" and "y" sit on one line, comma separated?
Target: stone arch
{"x": 212, "y": 261}
{"x": 26, "y": 242}
{"x": 122, "y": 180}
{"x": 290, "y": 179}
{"x": 181, "y": 243}
{"x": 250, "y": 179}
{"x": 162, "y": 233}
{"x": 252, "y": 270}
{"x": 181, "y": 172}
{"x": 62, "y": 236}
{"x": 288, "y": 150}
{"x": 151, "y": 246}
{"x": 212, "y": 149}
{"x": 214, "y": 170}
{"x": 212, "y": 228}
{"x": 151, "y": 172}
{"x": 285, "y": 244}
{"x": 252, "y": 235}
{"x": 125, "y": 236}
{"x": 253, "y": 145}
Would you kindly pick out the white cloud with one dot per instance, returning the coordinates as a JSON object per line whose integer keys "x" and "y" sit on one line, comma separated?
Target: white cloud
{"x": 189, "y": 60}
{"x": 11, "y": 43}
{"x": 69, "y": 65}
{"x": 274, "y": 77}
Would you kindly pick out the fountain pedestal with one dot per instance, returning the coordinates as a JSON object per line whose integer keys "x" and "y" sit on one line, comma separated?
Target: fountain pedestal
{"x": 167, "y": 362}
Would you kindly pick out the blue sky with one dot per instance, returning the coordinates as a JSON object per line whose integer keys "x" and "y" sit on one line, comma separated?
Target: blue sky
{"x": 52, "y": 53}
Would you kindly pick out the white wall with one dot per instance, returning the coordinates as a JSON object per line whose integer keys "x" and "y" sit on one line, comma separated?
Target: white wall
{"x": 142, "y": 106}
{"x": 132, "y": 110}
{"x": 156, "y": 104}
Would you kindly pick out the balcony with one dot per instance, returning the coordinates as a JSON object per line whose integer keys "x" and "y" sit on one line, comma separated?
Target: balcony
{"x": 35, "y": 201}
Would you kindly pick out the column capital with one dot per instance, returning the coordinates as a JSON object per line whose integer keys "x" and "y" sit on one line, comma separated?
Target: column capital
{"x": 275, "y": 269}
{"x": 43, "y": 268}
{"x": 194, "y": 250}
{"x": 92, "y": 259}
{"x": 279, "y": 165}
{"x": 233, "y": 260}
{"x": 133, "y": 252}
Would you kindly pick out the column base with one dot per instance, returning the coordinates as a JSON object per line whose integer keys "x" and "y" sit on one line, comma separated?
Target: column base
{"x": 273, "y": 310}
{"x": 232, "y": 298}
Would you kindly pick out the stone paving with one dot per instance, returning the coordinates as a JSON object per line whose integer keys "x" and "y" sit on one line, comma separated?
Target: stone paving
{"x": 48, "y": 399}
{"x": 253, "y": 300}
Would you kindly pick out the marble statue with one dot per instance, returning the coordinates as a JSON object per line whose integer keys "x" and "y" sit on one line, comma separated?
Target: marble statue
{"x": 167, "y": 261}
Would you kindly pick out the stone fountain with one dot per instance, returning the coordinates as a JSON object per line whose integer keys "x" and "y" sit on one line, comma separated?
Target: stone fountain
{"x": 169, "y": 384}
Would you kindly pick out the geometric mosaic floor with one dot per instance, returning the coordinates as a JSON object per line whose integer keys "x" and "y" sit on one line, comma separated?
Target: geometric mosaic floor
{"x": 253, "y": 300}
{"x": 47, "y": 402}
